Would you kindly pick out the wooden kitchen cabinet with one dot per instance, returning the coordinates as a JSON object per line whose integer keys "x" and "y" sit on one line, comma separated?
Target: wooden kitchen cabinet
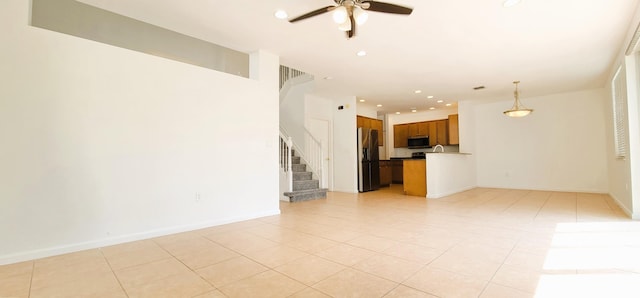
{"x": 419, "y": 129}
{"x": 433, "y": 134}
{"x": 423, "y": 128}
{"x": 454, "y": 138}
{"x": 363, "y": 122}
{"x": 443, "y": 135}
{"x": 377, "y": 125}
{"x": 385, "y": 172}
{"x": 413, "y": 129}
{"x": 400, "y": 135}
{"x": 396, "y": 171}
{"x": 437, "y": 130}
{"x": 366, "y": 122}
{"x": 415, "y": 177}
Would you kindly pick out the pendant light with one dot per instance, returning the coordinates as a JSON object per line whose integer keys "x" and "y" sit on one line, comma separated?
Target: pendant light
{"x": 518, "y": 110}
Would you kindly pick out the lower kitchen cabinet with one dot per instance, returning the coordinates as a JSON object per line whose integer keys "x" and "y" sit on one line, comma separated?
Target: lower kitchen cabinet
{"x": 385, "y": 172}
{"x": 396, "y": 171}
{"x": 415, "y": 177}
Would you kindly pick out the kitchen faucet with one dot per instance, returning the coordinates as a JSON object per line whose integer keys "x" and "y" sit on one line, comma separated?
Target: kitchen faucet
{"x": 436, "y": 147}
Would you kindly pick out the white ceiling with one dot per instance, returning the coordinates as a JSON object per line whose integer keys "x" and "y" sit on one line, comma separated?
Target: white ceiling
{"x": 445, "y": 47}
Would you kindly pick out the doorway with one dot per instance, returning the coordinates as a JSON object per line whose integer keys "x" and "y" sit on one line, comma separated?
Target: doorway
{"x": 321, "y": 130}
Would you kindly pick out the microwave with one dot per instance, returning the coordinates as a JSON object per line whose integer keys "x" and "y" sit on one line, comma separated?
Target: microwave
{"x": 418, "y": 142}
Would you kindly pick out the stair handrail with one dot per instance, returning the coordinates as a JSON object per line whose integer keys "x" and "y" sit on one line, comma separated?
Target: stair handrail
{"x": 287, "y": 73}
{"x": 311, "y": 154}
{"x": 285, "y": 159}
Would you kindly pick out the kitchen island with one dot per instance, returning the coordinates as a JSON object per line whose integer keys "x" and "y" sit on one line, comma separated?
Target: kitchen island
{"x": 449, "y": 173}
{"x": 438, "y": 175}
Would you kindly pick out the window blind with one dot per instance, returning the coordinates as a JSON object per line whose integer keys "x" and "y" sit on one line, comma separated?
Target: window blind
{"x": 619, "y": 90}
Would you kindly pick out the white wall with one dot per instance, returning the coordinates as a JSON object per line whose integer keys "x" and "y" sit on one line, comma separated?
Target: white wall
{"x": 101, "y": 145}
{"x": 633, "y": 102}
{"x": 467, "y": 126}
{"x": 292, "y": 109}
{"x": 560, "y": 146}
{"x": 624, "y": 174}
{"x": 345, "y": 145}
{"x": 366, "y": 111}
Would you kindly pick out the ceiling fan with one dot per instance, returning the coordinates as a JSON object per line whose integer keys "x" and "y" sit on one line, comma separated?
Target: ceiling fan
{"x": 349, "y": 13}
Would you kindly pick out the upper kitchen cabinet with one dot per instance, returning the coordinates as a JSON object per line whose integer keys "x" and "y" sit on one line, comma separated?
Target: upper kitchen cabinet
{"x": 440, "y": 132}
{"x": 371, "y": 123}
{"x": 454, "y": 138}
{"x": 363, "y": 122}
{"x": 400, "y": 135}
{"x": 443, "y": 133}
{"x": 419, "y": 129}
{"x": 433, "y": 134}
{"x": 377, "y": 125}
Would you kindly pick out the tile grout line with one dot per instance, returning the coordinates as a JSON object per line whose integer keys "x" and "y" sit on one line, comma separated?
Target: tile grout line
{"x": 33, "y": 271}
{"x": 185, "y": 265}
{"x": 113, "y": 272}
{"x": 501, "y": 265}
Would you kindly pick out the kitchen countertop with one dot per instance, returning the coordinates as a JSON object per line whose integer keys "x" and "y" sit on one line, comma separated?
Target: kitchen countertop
{"x": 430, "y": 153}
{"x": 461, "y": 153}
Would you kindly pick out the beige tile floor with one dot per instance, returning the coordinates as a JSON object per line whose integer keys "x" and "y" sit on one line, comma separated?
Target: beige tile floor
{"x": 479, "y": 243}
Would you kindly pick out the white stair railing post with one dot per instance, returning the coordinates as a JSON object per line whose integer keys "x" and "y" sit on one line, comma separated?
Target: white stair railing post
{"x": 290, "y": 158}
{"x": 321, "y": 165}
{"x": 287, "y": 73}
{"x": 286, "y": 157}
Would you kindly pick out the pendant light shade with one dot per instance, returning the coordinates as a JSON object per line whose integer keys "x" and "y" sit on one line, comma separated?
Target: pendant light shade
{"x": 518, "y": 110}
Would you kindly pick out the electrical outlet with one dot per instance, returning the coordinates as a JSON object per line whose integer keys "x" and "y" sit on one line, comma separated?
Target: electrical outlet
{"x": 197, "y": 196}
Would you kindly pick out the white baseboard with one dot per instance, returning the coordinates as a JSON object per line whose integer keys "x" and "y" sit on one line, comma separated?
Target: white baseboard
{"x": 75, "y": 247}
{"x": 625, "y": 209}
{"x": 441, "y": 195}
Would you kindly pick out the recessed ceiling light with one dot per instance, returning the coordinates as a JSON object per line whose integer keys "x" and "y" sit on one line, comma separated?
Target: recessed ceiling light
{"x": 417, "y": 91}
{"x": 362, "y": 100}
{"x": 281, "y": 14}
{"x": 448, "y": 105}
{"x": 430, "y": 96}
{"x": 397, "y": 113}
{"x": 510, "y": 3}
{"x": 440, "y": 101}
{"x": 432, "y": 108}
{"x": 378, "y": 106}
{"x": 413, "y": 111}
{"x": 361, "y": 53}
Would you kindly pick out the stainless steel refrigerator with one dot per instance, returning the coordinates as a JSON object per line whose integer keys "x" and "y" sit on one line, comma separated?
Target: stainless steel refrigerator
{"x": 368, "y": 160}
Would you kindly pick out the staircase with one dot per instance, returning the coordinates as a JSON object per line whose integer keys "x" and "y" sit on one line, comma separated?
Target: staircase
{"x": 305, "y": 188}
{"x": 297, "y": 173}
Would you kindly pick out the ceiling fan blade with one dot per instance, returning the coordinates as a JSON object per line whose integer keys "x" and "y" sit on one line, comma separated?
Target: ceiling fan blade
{"x": 386, "y": 7}
{"x": 313, "y": 13}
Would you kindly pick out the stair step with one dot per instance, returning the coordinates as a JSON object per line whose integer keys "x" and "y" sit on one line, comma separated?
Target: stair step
{"x": 295, "y": 160}
{"x": 305, "y": 185}
{"x": 299, "y": 167}
{"x": 306, "y": 195}
{"x": 300, "y": 176}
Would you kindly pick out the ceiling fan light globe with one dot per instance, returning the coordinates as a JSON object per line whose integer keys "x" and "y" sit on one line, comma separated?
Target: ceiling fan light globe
{"x": 360, "y": 15}
{"x": 345, "y": 26}
{"x": 340, "y": 15}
